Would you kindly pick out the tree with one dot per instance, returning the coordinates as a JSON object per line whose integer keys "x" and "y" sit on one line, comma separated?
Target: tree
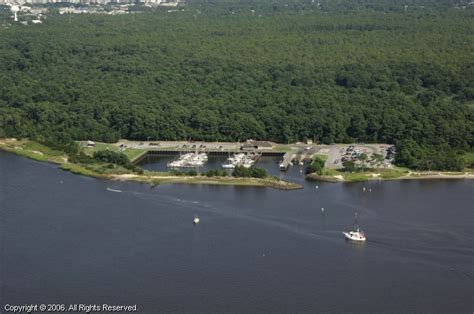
{"x": 112, "y": 157}
{"x": 241, "y": 171}
{"x": 259, "y": 172}
{"x": 349, "y": 165}
{"x": 363, "y": 158}
{"x": 316, "y": 166}
{"x": 378, "y": 158}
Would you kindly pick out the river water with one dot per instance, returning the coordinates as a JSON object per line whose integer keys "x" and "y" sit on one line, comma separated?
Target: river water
{"x": 72, "y": 239}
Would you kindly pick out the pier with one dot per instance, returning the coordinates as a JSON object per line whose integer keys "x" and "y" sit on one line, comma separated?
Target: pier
{"x": 287, "y": 160}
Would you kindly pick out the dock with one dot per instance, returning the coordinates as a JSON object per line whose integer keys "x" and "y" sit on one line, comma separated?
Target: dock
{"x": 210, "y": 152}
{"x": 287, "y": 160}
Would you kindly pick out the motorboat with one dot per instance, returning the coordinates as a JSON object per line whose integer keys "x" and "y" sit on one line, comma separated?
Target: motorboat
{"x": 238, "y": 160}
{"x": 355, "y": 235}
{"x": 189, "y": 160}
{"x": 228, "y": 165}
{"x": 196, "y": 220}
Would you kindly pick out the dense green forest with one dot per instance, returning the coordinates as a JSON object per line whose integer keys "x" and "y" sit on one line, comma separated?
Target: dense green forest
{"x": 334, "y": 71}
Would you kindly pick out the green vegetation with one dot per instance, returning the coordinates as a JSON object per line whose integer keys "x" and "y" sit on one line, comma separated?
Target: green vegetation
{"x": 316, "y": 166}
{"x": 78, "y": 169}
{"x": 393, "y": 173}
{"x": 330, "y": 71}
{"x": 414, "y": 156}
{"x": 179, "y": 173}
{"x": 105, "y": 162}
{"x": 282, "y": 148}
{"x": 468, "y": 158}
{"x": 358, "y": 174}
{"x": 321, "y": 156}
{"x": 252, "y": 172}
{"x": 112, "y": 157}
{"x": 34, "y": 150}
{"x": 131, "y": 153}
{"x": 216, "y": 173}
{"x": 377, "y": 159}
{"x": 349, "y": 165}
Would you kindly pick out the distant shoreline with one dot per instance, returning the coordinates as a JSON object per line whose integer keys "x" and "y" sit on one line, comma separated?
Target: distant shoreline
{"x": 409, "y": 176}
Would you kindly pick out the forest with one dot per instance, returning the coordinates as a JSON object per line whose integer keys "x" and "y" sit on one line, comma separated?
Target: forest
{"x": 387, "y": 71}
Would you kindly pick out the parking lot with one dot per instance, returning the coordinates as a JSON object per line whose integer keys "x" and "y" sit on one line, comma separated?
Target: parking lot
{"x": 339, "y": 153}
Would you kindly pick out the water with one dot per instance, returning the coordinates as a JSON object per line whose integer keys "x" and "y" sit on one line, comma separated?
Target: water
{"x": 155, "y": 163}
{"x": 68, "y": 239}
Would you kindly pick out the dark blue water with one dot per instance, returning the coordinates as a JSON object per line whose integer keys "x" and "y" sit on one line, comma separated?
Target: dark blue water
{"x": 67, "y": 239}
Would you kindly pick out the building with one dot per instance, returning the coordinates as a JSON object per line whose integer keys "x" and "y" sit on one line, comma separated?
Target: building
{"x": 252, "y": 145}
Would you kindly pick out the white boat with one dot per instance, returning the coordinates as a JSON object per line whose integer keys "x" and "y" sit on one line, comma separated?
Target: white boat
{"x": 196, "y": 220}
{"x": 355, "y": 235}
{"x": 189, "y": 160}
{"x": 228, "y": 166}
{"x": 113, "y": 190}
{"x": 247, "y": 164}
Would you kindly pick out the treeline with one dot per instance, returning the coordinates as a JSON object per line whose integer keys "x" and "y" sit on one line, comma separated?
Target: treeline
{"x": 343, "y": 71}
{"x": 238, "y": 172}
{"x": 428, "y": 157}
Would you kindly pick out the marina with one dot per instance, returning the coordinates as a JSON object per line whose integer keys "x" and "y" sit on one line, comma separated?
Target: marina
{"x": 248, "y": 153}
{"x": 189, "y": 160}
{"x": 240, "y": 160}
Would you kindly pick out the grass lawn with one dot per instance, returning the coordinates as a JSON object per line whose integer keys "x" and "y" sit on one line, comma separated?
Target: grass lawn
{"x": 282, "y": 148}
{"x": 393, "y": 173}
{"x": 356, "y": 176}
{"x": 131, "y": 153}
{"x": 331, "y": 172}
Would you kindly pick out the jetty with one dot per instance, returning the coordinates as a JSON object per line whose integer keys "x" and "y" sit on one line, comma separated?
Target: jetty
{"x": 288, "y": 158}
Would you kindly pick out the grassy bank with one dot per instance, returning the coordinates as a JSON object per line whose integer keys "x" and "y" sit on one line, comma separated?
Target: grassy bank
{"x": 131, "y": 153}
{"x": 39, "y": 152}
{"x": 164, "y": 178}
{"x": 33, "y": 150}
{"x": 396, "y": 173}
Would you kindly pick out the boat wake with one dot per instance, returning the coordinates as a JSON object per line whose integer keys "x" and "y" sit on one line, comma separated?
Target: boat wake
{"x": 113, "y": 190}
{"x": 299, "y": 227}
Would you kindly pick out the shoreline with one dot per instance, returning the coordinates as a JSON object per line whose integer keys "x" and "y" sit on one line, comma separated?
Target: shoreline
{"x": 410, "y": 176}
{"x": 59, "y": 158}
{"x": 38, "y": 152}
